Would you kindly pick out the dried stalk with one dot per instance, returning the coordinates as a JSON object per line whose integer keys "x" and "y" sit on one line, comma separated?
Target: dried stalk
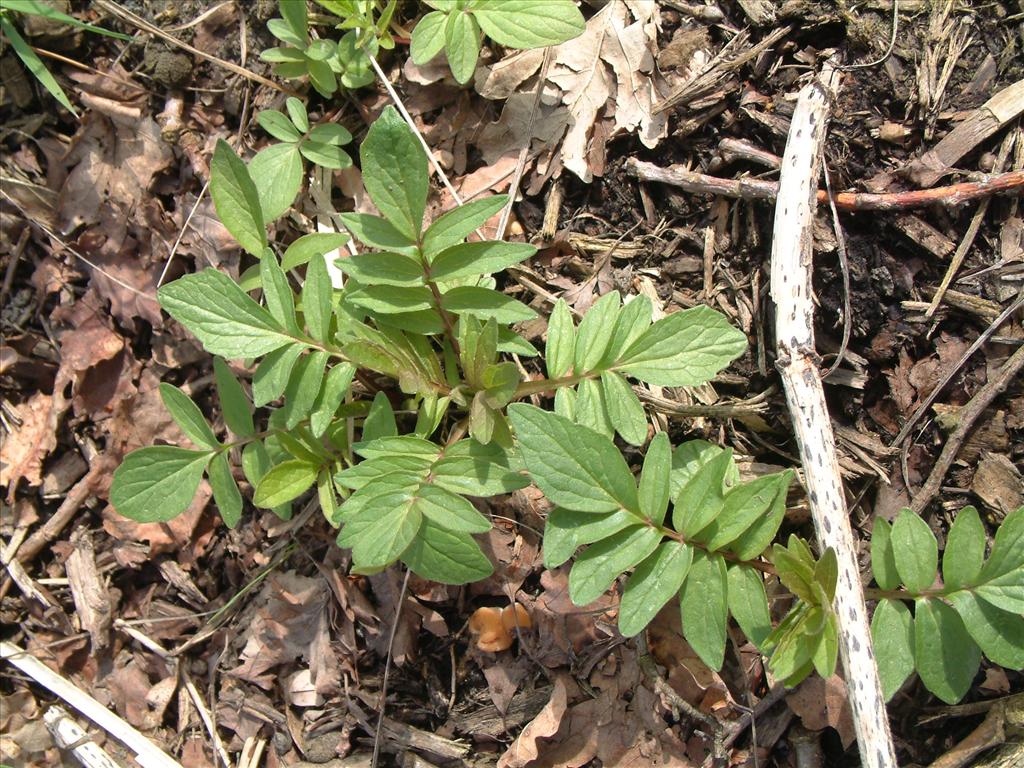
{"x": 792, "y": 255}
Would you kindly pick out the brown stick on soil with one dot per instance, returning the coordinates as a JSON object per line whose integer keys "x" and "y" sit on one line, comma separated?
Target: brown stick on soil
{"x": 758, "y": 189}
{"x": 792, "y": 261}
{"x": 968, "y": 415}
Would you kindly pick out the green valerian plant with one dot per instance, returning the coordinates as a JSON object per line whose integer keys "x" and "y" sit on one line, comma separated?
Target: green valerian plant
{"x": 394, "y": 395}
{"x": 29, "y": 57}
{"x": 278, "y": 170}
{"x": 327, "y": 63}
{"x": 457, "y": 26}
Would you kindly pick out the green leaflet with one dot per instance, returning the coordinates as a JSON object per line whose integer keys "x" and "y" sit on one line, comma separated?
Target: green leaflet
{"x": 892, "y": 634}
{"x": 236, "y": 199}
{"x": 624, "y": 409}
{"x": 462, "y": 45}
{"x": 224, "y": 319}
{"x": 188, "y": 416}
{"x": 457, "y": 224}
{"x": 529, "y": 23}
{"x": 745, "y": 503}
{"x": 575, "y": 467}
{"x": 595, "y": 332}
{"x": 916, "y": 551}
{"x": 653, "y": 584}
{"x": 691, "y": 456}
{"x": 331, "y": 395}
{"x": 755, "y": 540}
{"x": 382, "y": 269}
{"x": 278, "y": 294}
{"x": 704, "y": 605}
{"x": 603, "y": 562}
{"x": 388, "y": 533}
{"x": 999, "y": 633}
{"x": 965, "y": 550}
{"x": 225, "y": 490}
{"x": 748, "y": 603}
{"x": 395, "y": 172}
{"x": 276, "y": 173}
{"x": 284, "y": 483}
{"x": 308, "y": 246}
{"x": 448, "y": 510}
{"x": 273, "y": 372}
{"x": 485, "y": 303}
{"x": 703, "y": 496}
{"x": 947, "y": 657}
{"x": 567, "y": 530}
{"x": 380, "y": 421}
{"x": 278, "y": 125}
{"x": 390, "y": 299}
{"x": 481, "y": 258}
{"x": 633, "y": 320}
{"x": 1008, "y": 549}
{"x": 428, "y": 37}
{"x": 445, "y": 556}
{"x": 591, "y": 410}
{"x": 157, "y": 483}
{"x": 379, "y": 233}
{"x": 654, "y": 479}
{"x": 235, "y": 405}
{"x": 303, "y": 387}
{"x": 316, "y": 300}
{"x": 561, "y": 341}
{"x": 883, "y": 560}
{"x": 684, "y": 349}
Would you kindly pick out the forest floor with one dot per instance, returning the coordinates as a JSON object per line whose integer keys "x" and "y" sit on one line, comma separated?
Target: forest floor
{"x": 253, "y": 646}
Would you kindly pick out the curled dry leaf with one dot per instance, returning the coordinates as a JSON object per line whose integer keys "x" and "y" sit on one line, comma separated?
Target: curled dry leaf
{"x": 612, "y": 62}
{"x": 495, "y": 628}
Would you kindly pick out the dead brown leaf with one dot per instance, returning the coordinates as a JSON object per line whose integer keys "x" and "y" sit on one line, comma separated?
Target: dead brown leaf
{"x": 821, "y": 703}
{"x": 32, "y": 438}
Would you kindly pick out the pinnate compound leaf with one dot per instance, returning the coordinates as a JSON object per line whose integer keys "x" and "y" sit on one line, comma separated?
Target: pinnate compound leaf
{"x": 236, "y": 199}
{"x": 428, "y": 37}
{"x": 486, "y": 303}
{"x": 883, "y": 559}
{"x": 483, "y": 258}
{"x": 653, "y": 583}
{"x": 225, "y": 320}
{"x": 235, "y": 406}
{"x": 915, "y": 550}
{"x": 395, "y": 172}
{"x": 999, "y": 633}
{"x": 462, "y": 45}
{"x": 158, "y": 483}
{"x": 704, "y": 605}
{"x": 446, "y": 556}
{"x": 947, "y": 658}
{"x": 379, "y": 233}
{"x": 575, "y": 467}
{"x": 225, "y": 490}
{"x": 624, "y": 409}
{"x": 561, "y": 342}
{"x": 331, "y": 395}
{"x": 748, "y": 603}
{"x": 595, "y": 332}
{"x": 965, "y": 550}
{"x": 684, "y": 349}
{"x": 702, "y": 498}
{"x": 308, "y": 246}
{"x": 277, "y": 174}
{"x": 892, "y": 634}
{"x": 566, "y": 530}
{"x": 654, "y": 479}
{"x": 457, "y": 224}
{"x": 188, "y": 416}
{"x": 284, "y": 483}
{"x": 316, "y": 299}
{"x": 603, "y": 562}
{"x": 529, "y": 23}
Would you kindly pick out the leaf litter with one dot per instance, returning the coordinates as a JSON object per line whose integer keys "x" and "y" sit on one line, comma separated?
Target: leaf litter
{"x": 294, "y": 635}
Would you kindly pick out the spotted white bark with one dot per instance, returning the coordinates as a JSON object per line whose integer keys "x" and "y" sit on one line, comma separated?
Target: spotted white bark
{"x": 792, "y": 258}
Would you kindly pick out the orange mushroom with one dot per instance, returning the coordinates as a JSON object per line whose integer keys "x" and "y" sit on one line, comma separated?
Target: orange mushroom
{"x": 495, "y": 628}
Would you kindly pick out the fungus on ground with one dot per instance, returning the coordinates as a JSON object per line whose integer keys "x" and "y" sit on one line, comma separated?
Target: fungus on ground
{"x": 495, "y": 628}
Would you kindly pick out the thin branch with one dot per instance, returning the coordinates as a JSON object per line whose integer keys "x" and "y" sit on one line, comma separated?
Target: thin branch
{"x": 379, "y": 732}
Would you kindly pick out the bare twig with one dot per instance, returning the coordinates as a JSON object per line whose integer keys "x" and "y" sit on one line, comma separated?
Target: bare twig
{"x": 758, "y": 189}
{"x": 792, "y": 256}
{"x": 969, "y": 414}
{"x": 379, "y": 731}
{"x": 147, "y": 754}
